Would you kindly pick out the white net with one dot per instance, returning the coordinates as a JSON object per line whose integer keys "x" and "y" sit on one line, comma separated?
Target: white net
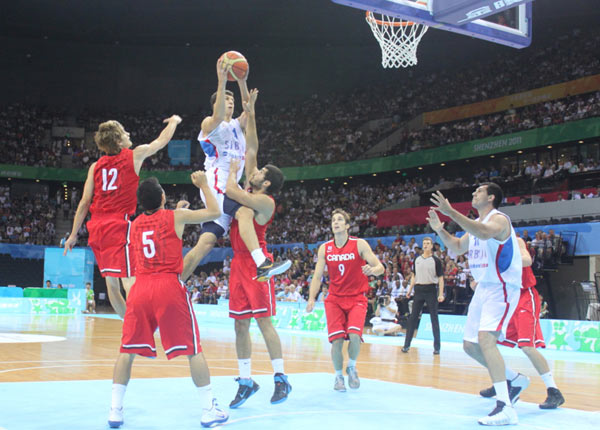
{"x": 398, "y": 39}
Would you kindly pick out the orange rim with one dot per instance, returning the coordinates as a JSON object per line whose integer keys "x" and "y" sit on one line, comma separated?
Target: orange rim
{"x": 371, "y": 18}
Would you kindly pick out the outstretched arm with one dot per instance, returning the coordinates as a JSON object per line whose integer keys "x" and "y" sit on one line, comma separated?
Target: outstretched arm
{"x": 218, "y": 116}
{"x": 185, "y": 216}
{"x": 260, "y": 203}
{"x": 251, "y": 135}
{"x": 141, "y": 152}
{"x": 82, "y": 209}
{"x": 245, "y": 97}
{"x": 497, "y": 227}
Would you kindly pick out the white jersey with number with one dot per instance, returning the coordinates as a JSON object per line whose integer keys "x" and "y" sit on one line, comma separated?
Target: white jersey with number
{"x": 495, "y": 262}
{"x": 220, "y": 146}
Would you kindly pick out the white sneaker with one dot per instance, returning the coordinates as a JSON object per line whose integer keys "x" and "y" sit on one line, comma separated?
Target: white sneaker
{"x": 115, "y": 418}
{"x": 353, "y": 380}
{"x": 339, "y": 384}
{"x": 516, "y": 387}
{"x": 214, "y": 415}
{"x": 502, "y": 415}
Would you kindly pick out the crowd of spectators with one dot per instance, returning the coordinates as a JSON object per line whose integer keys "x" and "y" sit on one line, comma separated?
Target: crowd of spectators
{"x": 294, "y": 134}
{"x": 26, "y": 219}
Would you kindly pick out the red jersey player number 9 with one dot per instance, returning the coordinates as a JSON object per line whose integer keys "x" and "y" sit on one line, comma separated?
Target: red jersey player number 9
{"x": 341, "y": 268}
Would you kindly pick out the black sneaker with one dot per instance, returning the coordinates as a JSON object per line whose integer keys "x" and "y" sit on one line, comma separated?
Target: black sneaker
{"x": 405, "y": 349}
{"x": 488, "y": 392}
{"x": 554, "y": 399}
{"x": 282, "y": 389}
{"x": 268, "y": 269}
{"x": 515, "y": 387}
{"x": 245, "y": 390}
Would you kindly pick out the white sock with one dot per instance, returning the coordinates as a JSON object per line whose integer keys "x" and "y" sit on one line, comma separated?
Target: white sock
{"x": 206, "y": 396}
{"x": 118, "y": 392}
{"x": 510, "y": 374}
{"x": 277, "y": 365}
{"x": 245, "y": 366}
{"x": 351, "y": 363}
{"x": 339, "y": 373}
{"x": 258, "y": 256}
{"x": 549, "y": 380}
{"x": 502, "y": 392}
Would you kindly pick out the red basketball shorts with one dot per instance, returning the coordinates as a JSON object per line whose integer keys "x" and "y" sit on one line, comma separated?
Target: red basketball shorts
{"x": 345, "y": 315}
{"x": 524, "y": 326}
{"x": 160, "y": 300}
{"x": 247, "y": 297}
{"x": 109, "y": 239}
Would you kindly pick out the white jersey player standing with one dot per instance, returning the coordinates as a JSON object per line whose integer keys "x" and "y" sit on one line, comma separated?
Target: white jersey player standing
{"x": 495, "y": 262}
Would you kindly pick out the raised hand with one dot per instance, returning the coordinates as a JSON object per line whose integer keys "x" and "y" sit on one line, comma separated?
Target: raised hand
{"x": 199, "y": 178}
{"x": 441, "y": 203}
{"x": 434, "y": 220}
{"x": 174, "y": 118}
{"x": 222, "y": 70}
{"x": 249, "y": 105}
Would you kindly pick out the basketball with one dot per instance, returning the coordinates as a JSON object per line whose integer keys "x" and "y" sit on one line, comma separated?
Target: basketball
{"x": 237, "y": 65}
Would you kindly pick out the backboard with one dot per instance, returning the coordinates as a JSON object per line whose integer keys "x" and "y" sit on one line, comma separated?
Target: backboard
{"x": 507, "y": 22}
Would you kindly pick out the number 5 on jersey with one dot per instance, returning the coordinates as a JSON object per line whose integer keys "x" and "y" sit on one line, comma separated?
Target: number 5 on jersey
{"x": 149, "y": 248}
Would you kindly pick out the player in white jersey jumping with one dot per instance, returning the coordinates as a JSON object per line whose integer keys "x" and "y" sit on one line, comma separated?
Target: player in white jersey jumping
{"x": 222, "y": 139}
{"x": 495, "y": 262}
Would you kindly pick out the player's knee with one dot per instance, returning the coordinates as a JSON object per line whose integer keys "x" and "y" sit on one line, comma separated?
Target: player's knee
{"x": 338, "y": 343}
{"x": 469, "y": 347}
{"x": 242, "y": 326}
{"x": 264, "y": 323}
{"x": 207, "y": 238}
{"x": 353, "y": 337}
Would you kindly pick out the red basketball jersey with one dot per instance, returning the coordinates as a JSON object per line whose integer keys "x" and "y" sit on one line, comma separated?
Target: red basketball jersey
{"x": 238, "y": 245}
{"x": 528, "y": 278}
{"x": 115, "y": 184}
{"x": 345, "y": 268}
{"x": 156, "y": 247}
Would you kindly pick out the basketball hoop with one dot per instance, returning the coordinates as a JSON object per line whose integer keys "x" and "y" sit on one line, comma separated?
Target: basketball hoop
{"x": 398, "y": 39}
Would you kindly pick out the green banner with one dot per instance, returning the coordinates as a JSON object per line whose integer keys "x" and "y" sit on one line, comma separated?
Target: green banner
{"x": 556, "y": 134}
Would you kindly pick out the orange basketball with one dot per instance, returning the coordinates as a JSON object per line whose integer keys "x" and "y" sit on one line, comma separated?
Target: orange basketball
{"x": 237, "y": 65}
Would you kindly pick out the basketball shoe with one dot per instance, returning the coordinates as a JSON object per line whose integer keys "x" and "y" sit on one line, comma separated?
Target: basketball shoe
{"x": 282, "y": 389}
{"x": 214, "y": 415}
{"x": 554, "y": 399}
{"x": 268, "y": 269}
{"x": 245, "y": 390}
{"x": 339, "y": 384}
{"x": 115, "y": 418}
{"x": 502, "y": 415}
{"x": 515, "y": 388}
{"x": 353, "y": 381}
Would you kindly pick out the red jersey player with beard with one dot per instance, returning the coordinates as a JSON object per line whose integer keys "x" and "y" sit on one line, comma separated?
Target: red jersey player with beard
{"x": 249, "y": 298}
{"x": 109, "y": 194}
{"x": 349, "y": 261}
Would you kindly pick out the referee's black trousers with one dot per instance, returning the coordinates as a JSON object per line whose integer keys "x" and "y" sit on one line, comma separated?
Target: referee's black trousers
{"x": 424, "y": 294}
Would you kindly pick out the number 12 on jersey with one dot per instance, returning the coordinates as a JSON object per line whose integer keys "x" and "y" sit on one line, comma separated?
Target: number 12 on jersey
{"x": 109, "y": 178}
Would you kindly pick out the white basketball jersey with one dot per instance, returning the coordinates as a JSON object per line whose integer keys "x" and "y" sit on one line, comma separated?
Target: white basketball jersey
{"x": 224, "y": 143}
{"x": 492, "y": 261}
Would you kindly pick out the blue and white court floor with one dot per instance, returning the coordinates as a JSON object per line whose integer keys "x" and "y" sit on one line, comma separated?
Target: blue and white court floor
{"x": 159, "y": 401}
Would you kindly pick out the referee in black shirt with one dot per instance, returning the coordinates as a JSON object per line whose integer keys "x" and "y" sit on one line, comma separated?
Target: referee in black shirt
{"x": 428, "y": 284}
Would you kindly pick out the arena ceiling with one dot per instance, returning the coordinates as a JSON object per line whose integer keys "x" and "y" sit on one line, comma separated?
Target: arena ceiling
{"x": 259, "y": 23}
